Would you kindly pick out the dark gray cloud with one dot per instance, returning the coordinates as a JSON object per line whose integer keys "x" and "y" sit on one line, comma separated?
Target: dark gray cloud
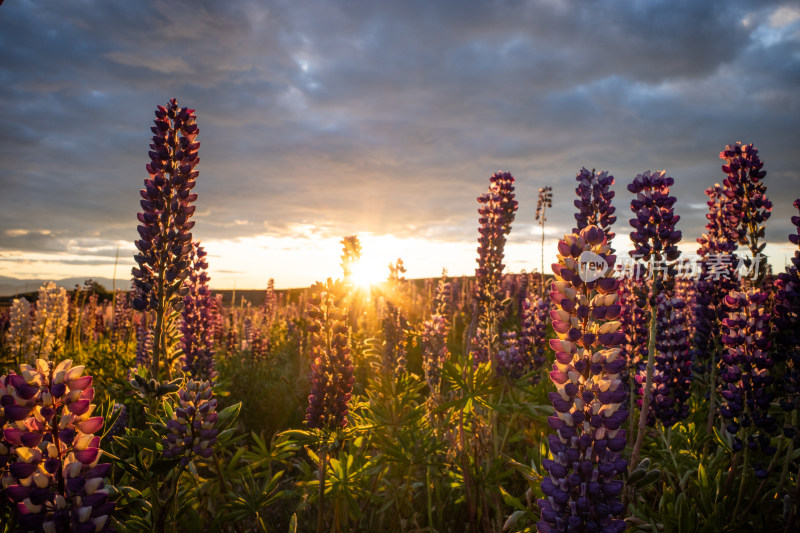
{"x": 385, "y": 117}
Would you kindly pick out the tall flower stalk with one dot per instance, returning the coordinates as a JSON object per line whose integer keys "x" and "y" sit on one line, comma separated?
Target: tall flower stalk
{"x": 594, "y": 201}
{"x": 717, "y": 278}
{"x": 673, "y": 364}
{"x": 197, "y": 319}
{"x": 49, "y": 323}
{"x": 654, "y": 238}
{"x": 331, "y": 371}
{"x": 544, "y": 201}
{"x": 332, "y": 367}
{"x": 54, "y": 476}
{"x": 165, "y": 241}
{"x": 747, "y": 381}
{"x": 748, "y": 205}
{"x": 497, "y": 211}
{"x": 583, "y": 486}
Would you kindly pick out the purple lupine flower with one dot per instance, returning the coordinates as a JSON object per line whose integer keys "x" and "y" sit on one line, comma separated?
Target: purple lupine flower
{"x": 331, "y": 369}
{"x": 122, "y": 319}
{"x": 53, "y": 475}
{"x": 197, "y": 321}
{"x": 394, "y": 352}
{"x": 583, "y": 487}
{"x": 444, "y": 300}
{"x": 497, "y": 211}
{"x": 594, "y": 201}
{"x": 120, "y": 422}
{"x": 434, "y": 350}
{"x": 786, "y": 316}
{"x": 654, "y": 236}
{"x": 717, "y": 276}
{"x": 634, "y": 320}
{"x": 144, "y": 346}
{"x": 521, "y": 353}
{"x": 165, "y": 229}
{"x": 744, "y": 187}
{"x": 747, "y": 381}
{"x": 435, "y": 331}
{"x": 510, "y": 360}
{"x": 673, "y": 364}
{"x": 191, "y": 434}
{"x": 88, "y": 320}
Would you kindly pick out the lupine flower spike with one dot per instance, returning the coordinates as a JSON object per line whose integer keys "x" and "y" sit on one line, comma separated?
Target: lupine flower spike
{"x": 594, "y": 201}
{"x": 748, "y": 207}
{"x": 654, "y": 238}
{"x": 197, "y": 320}
{"x": 54, "y": 476}
{"x": 497, "y": 211}
{"x": 190, "y": 432}
{"x": 332, "y": 368}
{"x": 786, "y": 314}
{"x": 165, "y": 240}
{"x": 583, "y": 486}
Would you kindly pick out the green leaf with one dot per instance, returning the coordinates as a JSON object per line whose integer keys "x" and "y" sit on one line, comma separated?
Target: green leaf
{"x": 510, "y": 500}
{"x": 513, "y": 519}
{"x": 227, "y": 416}
{"x": 293, "y": 524}
{"x": 162, "y": 466}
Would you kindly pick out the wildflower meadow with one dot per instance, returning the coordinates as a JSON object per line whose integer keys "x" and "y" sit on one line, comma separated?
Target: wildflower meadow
{"x": 626, "y": 387}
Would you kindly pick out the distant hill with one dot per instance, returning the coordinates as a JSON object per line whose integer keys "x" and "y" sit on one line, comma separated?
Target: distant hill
{"x": 13, "y": 286}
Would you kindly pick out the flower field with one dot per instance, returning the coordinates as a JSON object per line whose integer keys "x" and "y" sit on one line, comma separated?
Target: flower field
{"x": 630, "y": 388}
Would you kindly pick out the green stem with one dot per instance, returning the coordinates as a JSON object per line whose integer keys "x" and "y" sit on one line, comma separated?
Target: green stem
{"x": 321, "y": 494}
{"x": 651, "y": 360}
{"x": 744, "y": 476}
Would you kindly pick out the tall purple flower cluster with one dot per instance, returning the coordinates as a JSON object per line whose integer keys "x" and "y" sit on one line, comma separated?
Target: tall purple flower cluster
{"x": 654, "y": 235}
{"x": 583, "y": 487}
{"x": 395, "y": 329}
{"x": 634, "y": 323}
{"x": 197, "y": 319}
{"x": 190, "y": 431}
{"x": 746, "y": 375}
{"x": 594, "y": 201}
{"x": 786, "y": 315}
{"x": 51, "y": 451}
{"x": 332, "y": 367}
{"x": 497, "y": 211}
{"x": 144, "y": 346}
{"x": 122, "y": 318}
{"x": 434, "y": 334}
{"x": 165, "y": 241}
{"x": 749, "y": 206}
{"x": 673, "y": 363}
{"x": 523, "y": 352}
{"x": 434, "y": 350}
{"x": 511, "y": 360}
{"x": 717, "y": 277}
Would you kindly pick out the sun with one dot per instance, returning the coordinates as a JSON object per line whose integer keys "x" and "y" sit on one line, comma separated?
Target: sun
{"x": 369, "y": 271}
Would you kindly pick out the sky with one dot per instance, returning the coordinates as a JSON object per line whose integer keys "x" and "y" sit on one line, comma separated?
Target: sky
{"x": 383, "y": 119}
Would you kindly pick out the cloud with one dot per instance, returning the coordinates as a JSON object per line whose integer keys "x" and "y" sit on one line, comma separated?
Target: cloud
{"x": 384, "y": 117}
